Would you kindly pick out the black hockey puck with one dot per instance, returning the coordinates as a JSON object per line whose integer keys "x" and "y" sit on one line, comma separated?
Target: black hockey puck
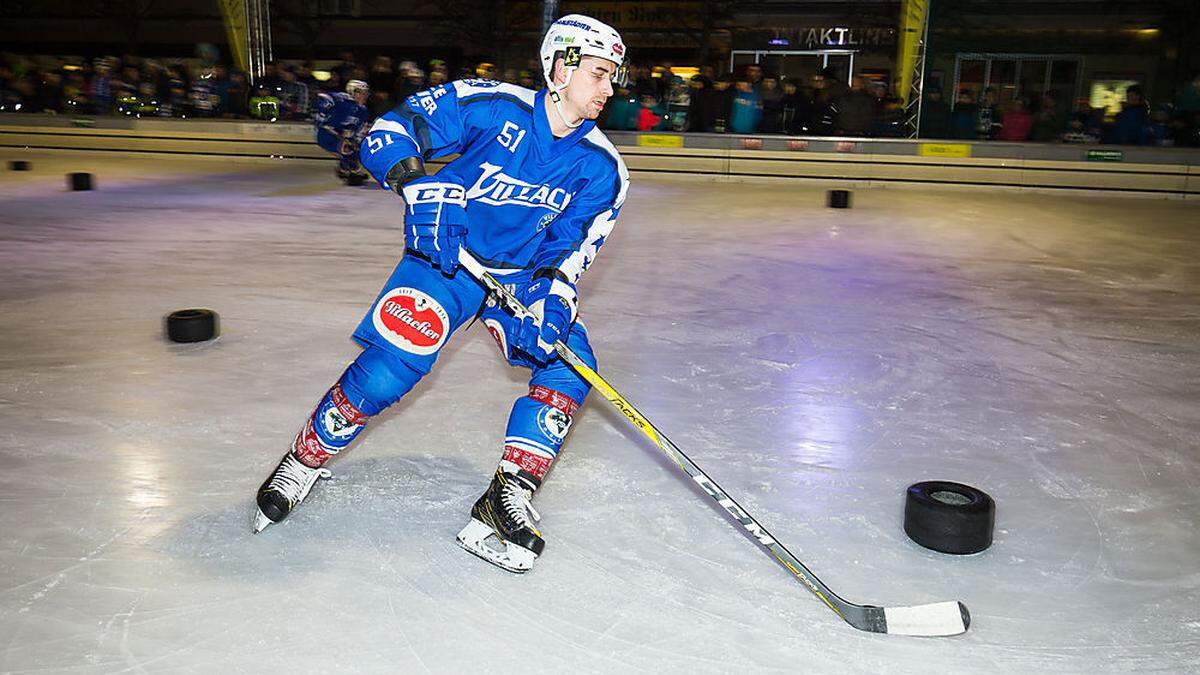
{"x": 79, "y": 181}
{"x": 18, "y": 165}
{"x": 191, "y": 325}
{"x": 949, "y": 517}
{"x": 839, "y": 199}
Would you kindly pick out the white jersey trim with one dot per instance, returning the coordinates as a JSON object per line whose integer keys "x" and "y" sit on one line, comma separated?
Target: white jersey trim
{"x": 382, "y": 124}
{"x": 579, "y": 260}
{"x": 466, "y": 88}
{"x": 598, "y": 138}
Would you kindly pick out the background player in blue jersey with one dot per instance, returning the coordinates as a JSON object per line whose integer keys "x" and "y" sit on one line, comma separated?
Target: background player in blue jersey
{"x": 340, "y": 121}
{"x": 533, "y": 194}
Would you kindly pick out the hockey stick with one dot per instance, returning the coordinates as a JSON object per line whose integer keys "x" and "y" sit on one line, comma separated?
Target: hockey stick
{"x": 934, "y": 619}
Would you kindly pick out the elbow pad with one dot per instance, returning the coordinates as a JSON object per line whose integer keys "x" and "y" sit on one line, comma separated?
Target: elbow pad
{"x": 404, "y": 171}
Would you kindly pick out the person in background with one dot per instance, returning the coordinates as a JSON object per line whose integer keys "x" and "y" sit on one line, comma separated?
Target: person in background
{"x": 1130, "y": 125}
{"x": 622, "y": 110}
{"x": 723, "y": 108}
{"x": 293, "y": 94}
{"x": 772, "y": 106}
{"x": 201, "y": 99}
{"x": 746, "y": 114}
{"x": 797, "y": 109}
{"x": 101, "y": 88}
{"x": 962, "y": 119}
{"x": 237, "y": 96}
{"x": 49, "y": 93}
{"x": 1160, "y": 131}
{"x": 334, "y": 83}
{"x": 1048, "y": 122}
{"x": 410, "y": 81}
{"x": 1092, "y": 118}
{"x": 935, "y": 115}
{"x": 340, "y": 122}
{"x": 648, "y": 118}
{"x": 75, "y": 99}
{"x": 264, "y": 105}
{"x": 381, "y": 77}
{"x": 855, "y": 110}
{"x": 701, "y": 110}
{"x": 987, "y": 116}
{"x": 1017, "y": 123}
{"x": 345, "y": 69}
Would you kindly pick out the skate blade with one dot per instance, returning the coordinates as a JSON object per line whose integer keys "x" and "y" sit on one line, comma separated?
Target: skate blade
{"x": 481, "y": 540}
{"x": 261, "y": 521}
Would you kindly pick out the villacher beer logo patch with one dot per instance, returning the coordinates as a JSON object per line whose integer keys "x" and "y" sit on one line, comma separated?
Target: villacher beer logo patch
{"x": 411, "y": 320}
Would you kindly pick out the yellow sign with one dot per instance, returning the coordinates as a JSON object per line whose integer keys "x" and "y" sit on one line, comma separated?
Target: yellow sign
{"x": 913, "y": 14}
{"x": 233, "y": 12}
{"x": 659, "y": 141}
{"x": 944, "y": 150}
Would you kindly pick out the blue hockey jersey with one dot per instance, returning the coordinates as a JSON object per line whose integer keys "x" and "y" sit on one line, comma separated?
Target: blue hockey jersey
{"x": 533, "y": 201}
{"x": 338, "y": 112}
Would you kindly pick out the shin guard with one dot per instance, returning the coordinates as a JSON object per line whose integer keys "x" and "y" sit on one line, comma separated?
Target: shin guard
{"x": 537, "y": 427}
{"x": 332, "y": 426}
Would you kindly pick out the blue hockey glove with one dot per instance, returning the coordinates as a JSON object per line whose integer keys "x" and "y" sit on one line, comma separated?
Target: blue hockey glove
{"x": 435, "y": 220}
{"x": 553, "y": 301}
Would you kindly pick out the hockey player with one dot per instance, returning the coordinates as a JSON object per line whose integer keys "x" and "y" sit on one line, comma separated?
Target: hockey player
{"x": 340, "y": 120}
{"x": 533, "y": 194}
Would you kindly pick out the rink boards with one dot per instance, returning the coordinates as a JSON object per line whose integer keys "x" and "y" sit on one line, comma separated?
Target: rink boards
{"x": 1166, "y": 172}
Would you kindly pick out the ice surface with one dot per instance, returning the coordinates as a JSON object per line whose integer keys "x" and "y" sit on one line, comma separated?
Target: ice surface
{"x": 814, "y": 362}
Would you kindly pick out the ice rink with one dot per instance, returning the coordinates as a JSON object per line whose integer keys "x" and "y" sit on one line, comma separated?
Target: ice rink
{"x": 815, "y": 362}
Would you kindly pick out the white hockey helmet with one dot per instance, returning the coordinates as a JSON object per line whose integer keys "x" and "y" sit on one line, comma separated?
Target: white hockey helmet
{"x": 575, "y": 36}
{"x": 355, "y": 86}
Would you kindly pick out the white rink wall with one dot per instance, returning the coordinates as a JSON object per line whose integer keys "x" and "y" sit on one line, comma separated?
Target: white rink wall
{"x": 1172, "y": 173}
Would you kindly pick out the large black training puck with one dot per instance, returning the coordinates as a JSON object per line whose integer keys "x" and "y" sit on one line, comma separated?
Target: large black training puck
{"x": 191, "y": 325}
{"x": 839, "y": 199}
{"x": 949, "y": 517}
{"x": 79, "y": 181}
{"x": 18, "y": 165}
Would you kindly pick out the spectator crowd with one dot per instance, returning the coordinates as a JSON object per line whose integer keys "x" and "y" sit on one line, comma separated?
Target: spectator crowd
{"x": 754, "y": 102}
{"x": 750, "y": 102}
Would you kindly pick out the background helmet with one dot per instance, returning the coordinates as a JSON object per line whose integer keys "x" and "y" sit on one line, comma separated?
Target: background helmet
{"x": 355, "y": 86}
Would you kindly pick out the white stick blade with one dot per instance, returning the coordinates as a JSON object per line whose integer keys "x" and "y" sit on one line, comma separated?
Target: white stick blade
{"x": 932, "y": 620}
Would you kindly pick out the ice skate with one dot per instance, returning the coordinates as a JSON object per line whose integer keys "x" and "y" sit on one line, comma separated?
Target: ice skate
{"x": 284, "y": 489}
{"x": 501, "y": 530}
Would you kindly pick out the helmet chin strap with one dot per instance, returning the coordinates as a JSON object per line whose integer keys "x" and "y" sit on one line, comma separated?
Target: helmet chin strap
{"x": 557, "y": 101}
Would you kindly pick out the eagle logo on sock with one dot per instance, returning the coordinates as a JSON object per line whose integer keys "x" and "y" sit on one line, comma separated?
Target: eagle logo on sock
{"x": 411, "y": 320}
{"x": 554, "y": 423}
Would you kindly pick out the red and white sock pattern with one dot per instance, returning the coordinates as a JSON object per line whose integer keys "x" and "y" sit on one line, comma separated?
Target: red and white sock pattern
{"x": 339, "y": 420}
{"x": 537, "y": 428}
{"x": 554, "y": 398}
{"x": 536, "y": 463}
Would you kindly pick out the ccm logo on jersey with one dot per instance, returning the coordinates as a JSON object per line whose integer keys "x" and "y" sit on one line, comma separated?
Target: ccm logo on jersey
{"x": 497, "y": 188}
{"x": 411, "y": 320}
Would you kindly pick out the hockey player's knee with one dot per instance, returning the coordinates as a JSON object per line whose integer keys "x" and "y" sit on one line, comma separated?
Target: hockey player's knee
{"x": 378, "y": 379}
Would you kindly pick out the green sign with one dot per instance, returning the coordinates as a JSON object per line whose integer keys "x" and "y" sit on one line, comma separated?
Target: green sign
{"x": 1105, "y": 156}
{"x": 83, "y": 122}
